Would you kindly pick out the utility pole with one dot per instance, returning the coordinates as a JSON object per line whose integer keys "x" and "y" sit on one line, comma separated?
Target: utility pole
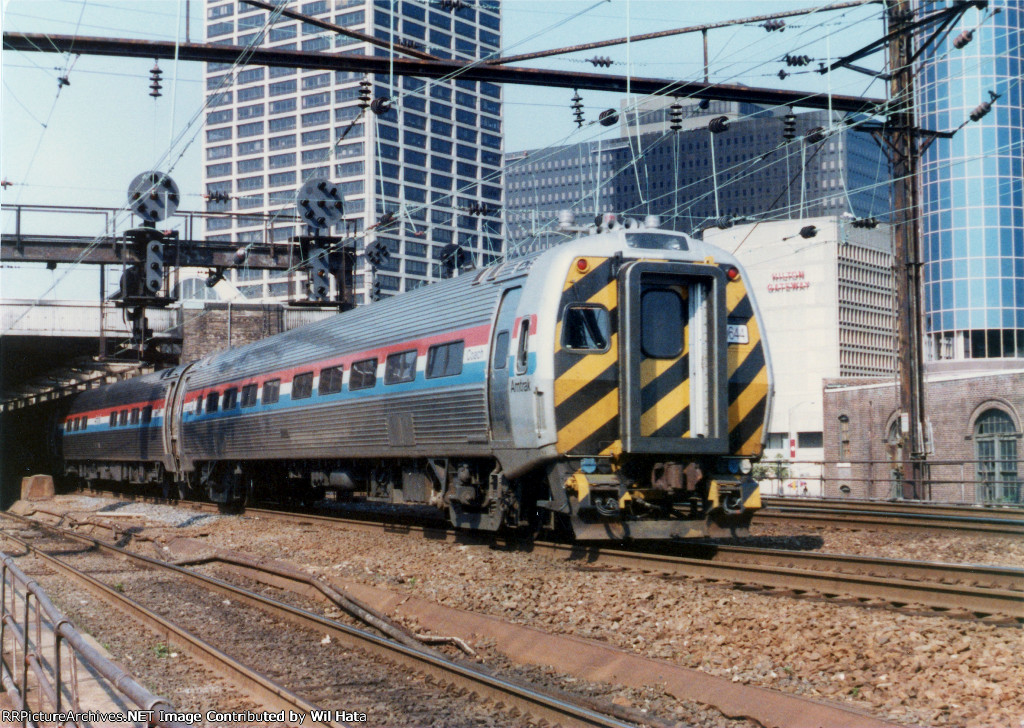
{"x": 902, "y": 140}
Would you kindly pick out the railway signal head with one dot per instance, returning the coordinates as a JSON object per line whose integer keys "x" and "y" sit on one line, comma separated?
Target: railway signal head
{"x": 319, "y": 276}
{"x": 153, "y": 196}
{"x": 376, "y": 253}
{"x": 320, "y": 203}
{"x": 154, "y": 275}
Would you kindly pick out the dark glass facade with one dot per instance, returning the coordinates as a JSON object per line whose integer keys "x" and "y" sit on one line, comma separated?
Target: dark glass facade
{"x": 972, "y": 189}
{"x": 673, "y": 175}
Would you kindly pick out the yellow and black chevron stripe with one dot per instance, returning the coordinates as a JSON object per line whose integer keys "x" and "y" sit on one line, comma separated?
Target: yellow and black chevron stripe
{"x": 587, "y": 385}
{"x": 665, "y": 392}
{"x": 748, "y": 376}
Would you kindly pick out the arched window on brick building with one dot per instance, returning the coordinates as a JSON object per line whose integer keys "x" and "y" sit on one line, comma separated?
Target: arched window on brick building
{"x": 995, "y": 449}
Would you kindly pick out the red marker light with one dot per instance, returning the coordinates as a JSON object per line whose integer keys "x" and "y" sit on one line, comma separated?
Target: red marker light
{"x": 582, "y": 265}
{"x": 732, "y": 273}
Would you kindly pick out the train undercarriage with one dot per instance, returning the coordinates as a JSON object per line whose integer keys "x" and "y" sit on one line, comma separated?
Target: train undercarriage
{"x": 588, "y": 499}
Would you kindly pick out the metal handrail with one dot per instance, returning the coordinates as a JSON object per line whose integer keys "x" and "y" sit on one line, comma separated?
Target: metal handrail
{"x": 884, "y": 473}
{"x": 17, "y": 589}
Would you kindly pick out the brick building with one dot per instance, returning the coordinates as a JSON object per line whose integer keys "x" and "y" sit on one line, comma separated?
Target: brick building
{"x": 975, "y": 422}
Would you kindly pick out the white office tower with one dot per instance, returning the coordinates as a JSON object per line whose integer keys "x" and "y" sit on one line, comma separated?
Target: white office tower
{"x": 433, "y": 161}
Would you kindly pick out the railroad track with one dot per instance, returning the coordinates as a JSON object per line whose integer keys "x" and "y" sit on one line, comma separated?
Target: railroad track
{"x": 894, "y": 516}
{"x": 515, "y": 698}
{"x": 961, "y": 590}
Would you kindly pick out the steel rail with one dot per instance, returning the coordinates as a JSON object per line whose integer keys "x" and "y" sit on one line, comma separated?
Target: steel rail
{"x": 253, "y": 682}
{"x": 935, "y": 595}
{"x": 855, "y": 576}
{"x": 1012, "y": 513}
{"x": 533, "y": 702}
{"x": 991, "y": 577}
{"x": 892, "y": 522}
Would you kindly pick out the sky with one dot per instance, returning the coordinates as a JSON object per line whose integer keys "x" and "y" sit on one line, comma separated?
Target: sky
{"x": 81, "y": 144}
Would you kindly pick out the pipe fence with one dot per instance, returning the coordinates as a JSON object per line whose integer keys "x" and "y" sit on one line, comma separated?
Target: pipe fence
{"x": 49, "y": 684}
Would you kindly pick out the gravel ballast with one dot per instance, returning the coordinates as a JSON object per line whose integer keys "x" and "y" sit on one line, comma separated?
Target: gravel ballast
{"x": 919, "y": 670}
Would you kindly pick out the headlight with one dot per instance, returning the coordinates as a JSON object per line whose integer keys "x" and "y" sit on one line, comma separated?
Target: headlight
{"x": 745, "y": 466}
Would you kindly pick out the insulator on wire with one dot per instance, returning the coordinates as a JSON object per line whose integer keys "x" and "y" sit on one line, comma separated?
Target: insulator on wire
{"x": 704, "y": 104}
{"x": 477, "y": 208}
{"x": 577, "y": 108}
{"x": 771, "y": 25}
{"x": 608, "y": 117}
{"x": 869, "y": 223}
{"x": 217, "y": 197}
{"x": 815, "y": 135}
{"x": 724, "y": 222}
{"x": 365, "y": 93}
{"x": 782, "y": 74}
{"x": 380, "y": 105}
{"x": 981, "y": 110}
{"x": 963, "y": 39}
{"x": 63, "y": 81}
{"x": 984, "y": 107}
{"x": 808, "y": 231}
{"x": 719, "y": 124}
{"x": 675, "y": 116}
{"x": 789, "y": 126}
{"x": 452, "y": 4}
{"x": 154, "y": 75}
{"x": 600, "y": 61}
{"x": 792, "y": 60}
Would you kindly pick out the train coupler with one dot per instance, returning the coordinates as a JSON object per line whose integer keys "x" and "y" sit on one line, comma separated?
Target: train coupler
{"x": 731, "y": 506}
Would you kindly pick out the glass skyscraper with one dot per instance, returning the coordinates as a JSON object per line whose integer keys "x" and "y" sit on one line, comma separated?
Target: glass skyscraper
{"x": 973, "y": 188}
{"x": 433, "y": 161}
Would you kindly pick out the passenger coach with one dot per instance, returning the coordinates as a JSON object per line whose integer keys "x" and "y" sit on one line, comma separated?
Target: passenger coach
{"x": 617, "y": 385}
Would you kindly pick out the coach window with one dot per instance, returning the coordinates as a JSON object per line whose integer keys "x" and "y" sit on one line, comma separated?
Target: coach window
{"x": 123, "y": 418}
{"x": 363, "y": 374}
{"x": 400, "y": 367}
{"x": 249, "y": 395}
{"x": 501, "y": 350}
{"x": 662, "y": 323}
{"x": 330, "y": 380}
{"x": 135, "y": 416}
{"x": 71, "y": 425}
{"x": 523, "y": 351}
{"x": 83, "y": 423}
{"x": 302, "y": 385}
{"x": 445, "y": 360}
{"x": 199, "y": 405}
{"x": 230, "y": 398}
{"x": 271, "y": 391}
{"x": 586, "y": 328}
{"x": 212, "y": 400}
{"x": 113, "y": 419}
{"x": 147, "y": 414}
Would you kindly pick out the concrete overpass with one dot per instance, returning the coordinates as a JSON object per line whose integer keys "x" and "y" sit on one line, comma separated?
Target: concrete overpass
{"x": 52, "y": 348}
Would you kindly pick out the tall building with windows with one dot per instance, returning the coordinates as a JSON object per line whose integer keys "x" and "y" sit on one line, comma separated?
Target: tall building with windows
{"x": 972, "y": 187}
{"x": 433, "y": 161}
{"x": 827, "y": 309}
{"x": 763, "y": 163}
